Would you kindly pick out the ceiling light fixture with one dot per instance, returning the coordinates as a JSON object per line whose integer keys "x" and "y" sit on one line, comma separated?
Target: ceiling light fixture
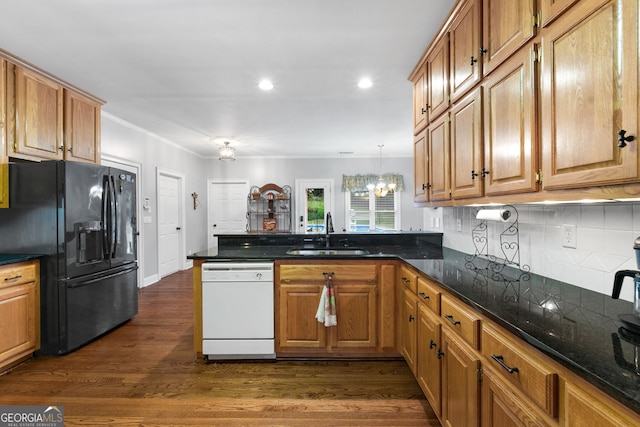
{"x": 265, "y": 84}
{"x": 380, "y": 188}
{"x": 365, "y": 83}
{"x": 226, "y": 152}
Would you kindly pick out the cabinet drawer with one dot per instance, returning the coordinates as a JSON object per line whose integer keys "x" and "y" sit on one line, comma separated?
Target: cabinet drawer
{"x": 315, "y": 273}
{"x": 429, "y": 294}
{"x": 409, "y": 278}
{"x": 17, "y": 274}
{"x": 521, "y": 368}
{"x": 461, "y": 319}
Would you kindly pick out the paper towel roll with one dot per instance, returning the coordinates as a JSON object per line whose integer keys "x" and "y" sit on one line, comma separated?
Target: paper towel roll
{"x": 501, "y": 215}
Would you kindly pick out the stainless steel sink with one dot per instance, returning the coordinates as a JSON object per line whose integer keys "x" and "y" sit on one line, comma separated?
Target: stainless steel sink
{"x": 326, "y": 251}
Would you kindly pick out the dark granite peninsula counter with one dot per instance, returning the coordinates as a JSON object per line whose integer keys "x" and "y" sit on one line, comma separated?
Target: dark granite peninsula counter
{"x": 576, "y": 327}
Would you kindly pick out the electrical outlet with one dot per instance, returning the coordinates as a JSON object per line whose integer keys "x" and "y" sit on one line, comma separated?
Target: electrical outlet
{"x": 569, "y": 236}
{"x": 459, "y": 225}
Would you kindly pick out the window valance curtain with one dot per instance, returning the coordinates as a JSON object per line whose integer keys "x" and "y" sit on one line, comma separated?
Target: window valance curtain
{"x": 360, "y": 182}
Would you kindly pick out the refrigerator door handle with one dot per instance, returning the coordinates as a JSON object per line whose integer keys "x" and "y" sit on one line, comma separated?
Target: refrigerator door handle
{"x": 115, "y": 217}
{"x": 100, "y": 279}
{"x": 105, "y": 216}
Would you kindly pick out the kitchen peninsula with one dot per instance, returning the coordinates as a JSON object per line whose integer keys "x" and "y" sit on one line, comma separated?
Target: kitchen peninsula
{"x": 570, "y": 335}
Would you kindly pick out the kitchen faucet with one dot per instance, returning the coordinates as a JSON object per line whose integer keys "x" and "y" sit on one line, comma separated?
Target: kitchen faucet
{"x": 328, "y": 228}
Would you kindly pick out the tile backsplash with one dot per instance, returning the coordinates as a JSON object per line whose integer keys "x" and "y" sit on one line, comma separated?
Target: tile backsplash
{"x": 605, "y": 233}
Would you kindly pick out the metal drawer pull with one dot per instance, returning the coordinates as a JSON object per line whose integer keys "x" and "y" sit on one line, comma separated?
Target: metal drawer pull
{"x": 500, "y": 361}
{"x": 6, "y": 279}
{"x": 449, "y": 317}
{"x": 405, "y": 280}
{"x": 423, "y": 295}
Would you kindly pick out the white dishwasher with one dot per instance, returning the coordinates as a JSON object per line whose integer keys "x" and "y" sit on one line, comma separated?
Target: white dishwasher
{"x": 238, "y": 310}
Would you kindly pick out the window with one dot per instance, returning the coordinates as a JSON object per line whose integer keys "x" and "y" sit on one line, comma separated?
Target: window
{"x": 366, "y": 212}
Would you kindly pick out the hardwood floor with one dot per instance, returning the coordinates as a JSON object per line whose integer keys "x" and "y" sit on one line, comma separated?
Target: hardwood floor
{"x": 146, "y": 373}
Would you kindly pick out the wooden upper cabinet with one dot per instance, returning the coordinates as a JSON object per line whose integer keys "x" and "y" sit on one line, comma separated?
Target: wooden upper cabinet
{"x": 465, "y": 65}
{"x": 81, "y": 128}
{"x": 507, "y": 26}
{"x": 438, "y": 78}
{"x": 551, "y": 9}
{"x": 466, "y": 146}
{"x": 4, "y": 166}
{"x": 439, "y": 166}
{"x": 590, "y": 94}
{"x": 420, "y": 168}
{"x": 38, "y": 116}
{"x": 510, "y": 149}
{"x": 420, "y": 110}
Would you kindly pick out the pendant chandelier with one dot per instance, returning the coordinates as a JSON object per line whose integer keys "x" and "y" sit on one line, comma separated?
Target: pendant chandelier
{"x": 381, "y": 188}
{"x": 226, "y": 152}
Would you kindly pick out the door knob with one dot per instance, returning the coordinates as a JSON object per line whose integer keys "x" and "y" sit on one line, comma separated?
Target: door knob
{"x": 178, "y": 228}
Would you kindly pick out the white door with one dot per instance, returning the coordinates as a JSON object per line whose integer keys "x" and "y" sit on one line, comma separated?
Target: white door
{"x": 314, "y": 199}
{"x": 169, "y": 224}
{"x": 227, "y": 207}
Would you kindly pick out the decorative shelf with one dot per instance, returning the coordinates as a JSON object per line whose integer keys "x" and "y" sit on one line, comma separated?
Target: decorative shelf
{"x": 269, "y": 209}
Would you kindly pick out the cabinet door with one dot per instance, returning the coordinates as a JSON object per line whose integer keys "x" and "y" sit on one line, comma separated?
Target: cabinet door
{"x": 4, "y": 165}
{"x": 589, "y": 95}
{"x": 438, "y": 78}
{"x": 587, "y": 410}
{"x": 507, "y": 25}
{"x": 420, "y": 168}
{"x": 81, "y": 128}
{"x": 420, "y": 111}
{"x": 38, "y": 115}
{"x": 429, "y": 371}
{"x": 466, "y": 146}
{"x": 297, "y": 326}
{"x": 465, "y": 67}
{"x": 460, "y": 383}
{"x": 356, "y": 313}
{"x": 439, "y": 166}
{"x": 504, "y": 407}
{"x": 551, "y": 9}
{"x": 510, "y": 156}
{"x": 408, "y": 329}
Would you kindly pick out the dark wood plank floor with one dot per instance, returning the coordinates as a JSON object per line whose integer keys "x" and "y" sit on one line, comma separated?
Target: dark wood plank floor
{"x": 146, "y": 373}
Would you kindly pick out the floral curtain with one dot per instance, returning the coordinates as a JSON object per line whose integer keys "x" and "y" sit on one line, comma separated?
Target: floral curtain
{"x": 360, "y": 182}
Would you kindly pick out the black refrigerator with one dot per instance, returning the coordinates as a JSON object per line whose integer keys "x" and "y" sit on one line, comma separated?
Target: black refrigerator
{"x": 82, "y": 218}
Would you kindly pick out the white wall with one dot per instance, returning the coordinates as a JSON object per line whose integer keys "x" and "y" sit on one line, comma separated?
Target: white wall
{"x": 605, "y": 237}
{"x": 285, "y": 171}
{"x": 122, "y": 140}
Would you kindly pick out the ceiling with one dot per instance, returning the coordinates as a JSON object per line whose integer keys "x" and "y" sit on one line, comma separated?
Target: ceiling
{"x": 188, "y": 70}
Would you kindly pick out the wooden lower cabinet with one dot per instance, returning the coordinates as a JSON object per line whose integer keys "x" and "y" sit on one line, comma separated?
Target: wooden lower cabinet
{"x": 19, "y": 312}
{"x": 588, "y": 407}
{"x": 429, "y": 370}
{"x": 503, "y": 406}
{"x": 4, "y": 161}
{"x": 460, "y": 382}
{"x": 364, "y": 309}
{"x": 408, "y": 328}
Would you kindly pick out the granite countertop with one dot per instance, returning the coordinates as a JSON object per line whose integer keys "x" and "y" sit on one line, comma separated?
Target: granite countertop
{"x": 13, "y": 258}
{"x": 574, "y": 326}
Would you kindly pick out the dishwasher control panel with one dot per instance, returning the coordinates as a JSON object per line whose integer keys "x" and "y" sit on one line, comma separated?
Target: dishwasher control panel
{"x": 237, "y": 272}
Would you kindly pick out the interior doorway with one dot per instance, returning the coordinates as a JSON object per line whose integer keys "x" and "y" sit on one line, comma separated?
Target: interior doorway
{"x": 226, "y": 207}
{"x": 171, "y": 233}
{"x": 314, "y": 198}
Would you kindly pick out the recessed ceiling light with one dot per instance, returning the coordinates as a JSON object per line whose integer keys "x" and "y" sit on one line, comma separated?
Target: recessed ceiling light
{"x": 365, "y": 83}
{"x": 265, "y": 84}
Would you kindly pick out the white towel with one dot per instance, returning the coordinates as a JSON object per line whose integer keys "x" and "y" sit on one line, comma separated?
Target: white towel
{"x": 320, "y": 312}
{"x": 326, "y": 312}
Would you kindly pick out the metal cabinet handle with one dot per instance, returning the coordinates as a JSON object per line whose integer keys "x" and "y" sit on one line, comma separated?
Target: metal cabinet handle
{"x": 474, "y": 174}
{"x": 440, "y": 354}
{"x": 8, "y": 279}
{"x": 449, "y": 317}
{"x": 411, "y": 318}
{"x": 622, "y": 139}
{"x": 432, "y": 344}
{"x": 405, "y": 280}
{"x": 423, "y": 295}
{"x": 500, "y": 360}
